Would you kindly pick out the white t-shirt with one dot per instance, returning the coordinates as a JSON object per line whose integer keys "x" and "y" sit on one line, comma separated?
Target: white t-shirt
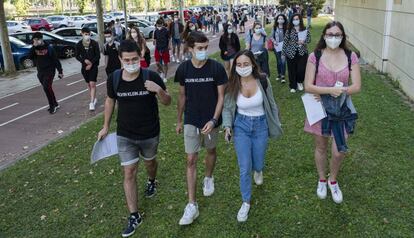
{"x": 252, "y": 106}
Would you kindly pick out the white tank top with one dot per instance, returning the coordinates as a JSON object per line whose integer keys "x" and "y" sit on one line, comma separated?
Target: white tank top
{"x": 252, "y": 106}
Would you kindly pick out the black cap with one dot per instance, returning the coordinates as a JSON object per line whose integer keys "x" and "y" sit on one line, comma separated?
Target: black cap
{"x": 85, "y": 30}
{"x": 37, "y": 35}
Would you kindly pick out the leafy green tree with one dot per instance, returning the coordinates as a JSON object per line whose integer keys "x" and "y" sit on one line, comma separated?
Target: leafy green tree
{"x": 81, "y": 5}
{"x": 21, "y": 7}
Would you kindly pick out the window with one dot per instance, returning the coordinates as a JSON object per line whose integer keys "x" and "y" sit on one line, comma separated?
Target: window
{"x": 34, "y": 21}
{"x": 47, "y": 38}
{"x": 67, "y": 33}
{"x": 21, "y": 37}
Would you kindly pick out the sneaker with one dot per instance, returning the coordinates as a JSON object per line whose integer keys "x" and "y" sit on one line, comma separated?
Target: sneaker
{"x": 173, "y": 58}
{"x": 190, "y": 214}
{"x": 258, "y": 177}
{"x": 335, "y": 191}
{"x": 95, "y": 101}
{"x": 162, "y": 75}
{"x": 321, "y": 190}
{"x": 293, "y": 90}
{"x": 151, "y": 189}
{"x": 277, "y": 78}
{"x": 300, "y": 86}
{"x": 243, "y": 213}
{"x": 91, "y": 106}
{"x": 283, "y": 79}
{"x": 178, "y": 61}
{"x": 208, "y": 186}
{"x": 164, "y": 80}
{"x": 133, "y": 223}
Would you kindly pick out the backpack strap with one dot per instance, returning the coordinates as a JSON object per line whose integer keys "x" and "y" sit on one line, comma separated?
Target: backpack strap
{"x": 116, "y": 78}
{"x": 318, "y": 54}
{"x": 349, "y": 56}
{"x": 145, "y": 74}
{"x": 251, "y": 38}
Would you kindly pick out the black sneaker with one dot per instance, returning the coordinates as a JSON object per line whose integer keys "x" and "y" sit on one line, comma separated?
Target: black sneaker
{"x": 133, "y": 223}
{"x": 151, "y": 189}
{"x": 54, "y": 109}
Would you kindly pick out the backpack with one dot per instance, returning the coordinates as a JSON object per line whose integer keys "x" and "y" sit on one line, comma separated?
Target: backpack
{"x": 116, "y": 78}
{"x": 318, "y": 55}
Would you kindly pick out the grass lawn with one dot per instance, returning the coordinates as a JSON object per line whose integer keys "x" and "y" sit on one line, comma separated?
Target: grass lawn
{"x": 57, "y": 193}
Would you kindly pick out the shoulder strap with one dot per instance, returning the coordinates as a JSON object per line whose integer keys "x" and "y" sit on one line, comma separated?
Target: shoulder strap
{"x": 116, "y": 78}
{"x": 263, "y": 82}
{"x": 251, "y": 38}
{"x": 145, "y": 74}
{"x": 318, "y": 54}
{"x": 349, "y": 56}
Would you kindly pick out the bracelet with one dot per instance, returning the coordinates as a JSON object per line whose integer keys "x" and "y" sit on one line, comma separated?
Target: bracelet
{"x": 215, "y": 122}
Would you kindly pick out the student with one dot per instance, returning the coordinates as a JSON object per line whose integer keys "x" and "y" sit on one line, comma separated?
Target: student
{"x": 296, "y": 52}
{"x": 162, "y": 49}
{"x": 135, "y": 35}
{"x": 229, "y": 45}
{"x": 47, "y": 62}
{"x": 201, "y": 95}
{"x": 327, "y": 77}
{"x": 309, "y": 11}
{"x": 189, "y": 27}
{"x": 111, "y": 53}
{"x": 250, "y": 111}
{"x": 176, "y": 29}
{"x": 88, "y": 54}
{"x": 138, "y": 128}
{"x": 278, "y": 35}
{"x": 256, "y": 43}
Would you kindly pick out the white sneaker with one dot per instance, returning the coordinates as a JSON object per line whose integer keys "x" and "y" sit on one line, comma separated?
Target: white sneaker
{"x": 293, "y": 90}
{"x": 178, "y": 61}
{"x": 162, "y": 75}
{"x": 336, "y": 192}
{"x": 173, "y": 58}
{"x": 190, "y": 214}
{"x": 243, "y": 213}
{"x": 300, "y": 86}
{"x": 91, "y": 106}
{"x": 321, "y": 190}
{"x": 165, "y": 80}
{"x": 208, "y": 186}
{"x": 258, "y": 177}
{"x": 277, "y": 78}
{"x": 95, "y": 101}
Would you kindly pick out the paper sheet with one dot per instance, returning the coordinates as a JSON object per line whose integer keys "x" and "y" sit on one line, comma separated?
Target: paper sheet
{"x": 104, "y": 148}
{"x": 279, "y": 46}
{"x": 314, "y": 109}
{"x": 302, "y": 35}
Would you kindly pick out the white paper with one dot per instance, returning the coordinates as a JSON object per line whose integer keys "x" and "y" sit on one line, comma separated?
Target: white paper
{"x": 279, "y": 46}
{"x": 104, "y": 148}
{"x": 314, "y": 109}
{"x": 302, "y": 35}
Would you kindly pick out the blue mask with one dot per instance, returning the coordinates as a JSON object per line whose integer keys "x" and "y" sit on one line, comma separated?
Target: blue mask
{"x": 201, "y": 55}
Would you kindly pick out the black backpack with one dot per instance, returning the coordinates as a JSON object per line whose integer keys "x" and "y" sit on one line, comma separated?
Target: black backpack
{"x": 318, "y": 55}
{"x": 116, "y": 78}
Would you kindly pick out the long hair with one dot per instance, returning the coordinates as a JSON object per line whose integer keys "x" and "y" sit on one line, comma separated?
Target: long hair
{"x": 187, "y": 29}
{"x": 285, "y": 24}
{"x": 322, "y": 44}
{"x": 234, "y": 84}
{"x": 225, "y": 35}
{"x": 301, "y": 25}
{"x": 141, "y": 41}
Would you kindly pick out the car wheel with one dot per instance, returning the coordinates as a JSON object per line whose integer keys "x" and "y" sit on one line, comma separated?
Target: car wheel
{"x": 42, "y": 29}
{"x": 68, "y": 52}
{"x": 150, "y": 35}
{"x": 27, "y": 63}
{"x": 63, "y": 26}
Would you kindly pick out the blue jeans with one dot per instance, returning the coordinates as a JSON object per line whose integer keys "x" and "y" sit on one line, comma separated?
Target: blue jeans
{"x": 250, "y": 141}
{"x": 281, "y": 64}
{"x": 309, "y": 18}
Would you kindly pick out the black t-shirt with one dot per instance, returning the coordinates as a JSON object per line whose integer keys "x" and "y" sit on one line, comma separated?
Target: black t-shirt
{"x": 162, "y": 38}
{"x": 112, "y": 52}
{"x": 201, "y": 92}
{"x": 137, "y": 108}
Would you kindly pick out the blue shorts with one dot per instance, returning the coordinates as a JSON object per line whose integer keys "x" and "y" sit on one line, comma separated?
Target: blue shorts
{"x": 176, "y": 42}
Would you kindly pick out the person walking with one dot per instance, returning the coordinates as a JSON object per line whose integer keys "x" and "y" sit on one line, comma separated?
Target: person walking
{"x": 162, "y": 49}
{"x": 296, "y": 52}
{"x": 332, "y": 75}
{"x": 201, "y": 96}
{"x": 88, "y": 54}
{"x": 176, "y": 29}
{"x": 278, "y": 36}
{"x": 251, "y": 115}
{"x": 229, "y": 45}
{"x": 137, "y": 92}
{"x": 47, "y": 62}
{"x": 256, "y": 43}
{"x": 111, "y": 53}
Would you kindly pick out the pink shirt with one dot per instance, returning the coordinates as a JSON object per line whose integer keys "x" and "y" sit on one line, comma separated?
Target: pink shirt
{"x": 328, "y": 78}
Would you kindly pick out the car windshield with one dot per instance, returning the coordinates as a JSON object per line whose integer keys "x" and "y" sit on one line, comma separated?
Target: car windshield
{"x": 54, "y": 35}
{"x": 16, "y": 41}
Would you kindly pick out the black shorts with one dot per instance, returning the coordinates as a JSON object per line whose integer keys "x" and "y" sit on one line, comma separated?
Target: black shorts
{"x": 90, "y": 75}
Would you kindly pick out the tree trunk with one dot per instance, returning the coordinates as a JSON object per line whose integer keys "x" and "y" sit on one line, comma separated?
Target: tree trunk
{"x": 9, "y": 66}
{"x": 100, "y": 23}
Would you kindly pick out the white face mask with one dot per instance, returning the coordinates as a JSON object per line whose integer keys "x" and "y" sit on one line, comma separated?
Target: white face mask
{"x": 280, "y": 21}
{"x": 245, "y": 71}
{"x": 296, "y": 22}
{"x": 192, "y": 28}
{"x": 333, "y": 42}
{"x": 230, "y": 30}
{"x": 86, "y": 37}
{"x": 132, "y": 68}
{"x": 108, "y": 39}
{"x": 159, "y": 28}
{"x": 258, "y": 31}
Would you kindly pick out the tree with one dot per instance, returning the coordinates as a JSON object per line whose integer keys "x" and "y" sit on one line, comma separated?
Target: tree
{"x": 58, "y": 5}
{"x": 81, "y": 5}
{"x": 21, "y": 7}
{"x": 9, "y": 66}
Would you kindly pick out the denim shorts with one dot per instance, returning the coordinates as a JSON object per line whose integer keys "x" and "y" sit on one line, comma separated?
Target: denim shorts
{"x": 130, "y": 150}
{"x": 176, "y": 42}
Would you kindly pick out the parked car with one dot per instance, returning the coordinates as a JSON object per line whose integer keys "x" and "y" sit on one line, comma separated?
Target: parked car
{"x": 73, "y": 33}
{"x": 78, "y": 21}
{"x": 91, "y": 17}
{"x": 150, "y": 17}
{"x": 64, "y": 48}
{"x": 17, "y": 26}
{"x": 39, "y": 24}
{"x": 60, "y": 21}
{"x": 20, "y": 52}
{"x": 144, "y": 27}
{"x": 171, "y": 13}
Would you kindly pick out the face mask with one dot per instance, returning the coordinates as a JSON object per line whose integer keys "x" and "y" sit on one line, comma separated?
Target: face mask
{"x": 108, "y": 39}
{"x": 37, "y": 42}
{"x": 280, "y": 21}
{"x": 134, "y": 35}
{"x": 333, "y": 42}
{"x": 175, "y": 19}
{"x": 86, "y": 37}
{"x": 258, "y": 31}
{"x": 230, "y": 30}
{"x": 296, "y": 22}
{"x": 192, "y": 28}
{"x": 131, "y": 68}
{"x": 201, "y": 55}
{"x": 245, "y": 71}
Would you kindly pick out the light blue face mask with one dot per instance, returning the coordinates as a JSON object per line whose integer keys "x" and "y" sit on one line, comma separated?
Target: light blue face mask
{"x": 201, "y": 55}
